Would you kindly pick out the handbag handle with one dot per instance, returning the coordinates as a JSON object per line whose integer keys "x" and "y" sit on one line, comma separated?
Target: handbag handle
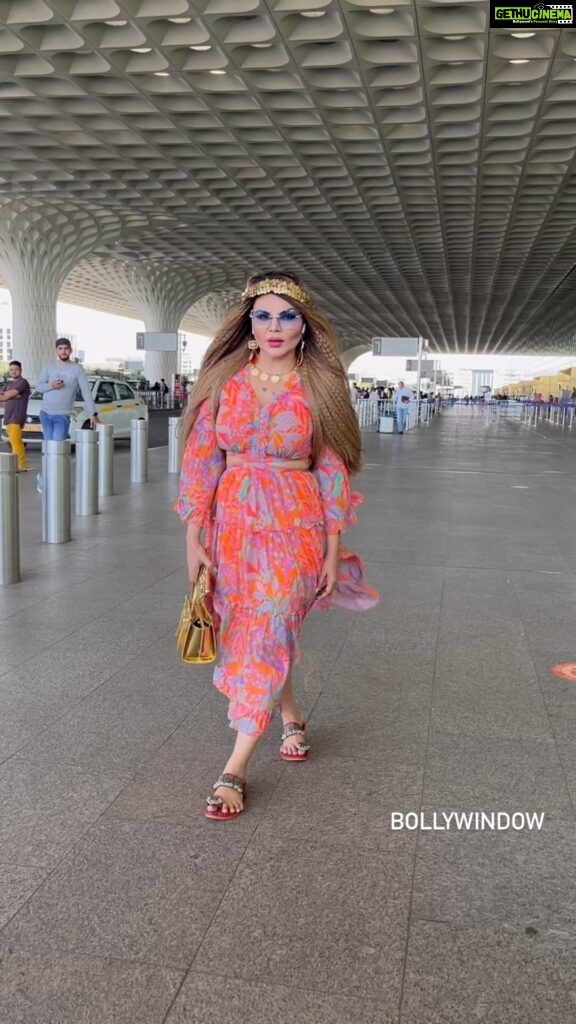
{"x": 201, "y": 587}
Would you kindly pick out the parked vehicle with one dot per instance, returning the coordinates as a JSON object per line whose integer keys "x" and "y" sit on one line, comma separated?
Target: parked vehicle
{"x": 116, "y": 403}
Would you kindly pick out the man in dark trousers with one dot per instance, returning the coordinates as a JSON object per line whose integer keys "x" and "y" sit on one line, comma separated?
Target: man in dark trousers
{"x": 15, "y": 398}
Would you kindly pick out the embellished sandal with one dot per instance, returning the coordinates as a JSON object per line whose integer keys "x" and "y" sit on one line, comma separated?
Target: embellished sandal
{"x": 214, "y": 803}
{"x": 302, "y": 749}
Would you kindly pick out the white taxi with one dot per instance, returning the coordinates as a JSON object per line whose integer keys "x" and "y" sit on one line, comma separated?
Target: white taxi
{"x": 115, "y": 401}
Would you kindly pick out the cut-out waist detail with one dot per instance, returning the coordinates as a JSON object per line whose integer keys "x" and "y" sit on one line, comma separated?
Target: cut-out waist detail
{"x": 246, "y": 459}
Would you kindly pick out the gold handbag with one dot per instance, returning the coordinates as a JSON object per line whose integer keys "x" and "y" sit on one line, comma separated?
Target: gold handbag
{"x": 196, "y": 634}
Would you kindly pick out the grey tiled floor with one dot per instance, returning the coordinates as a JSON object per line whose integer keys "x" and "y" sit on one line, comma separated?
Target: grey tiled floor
{"x": 121, "y": 904}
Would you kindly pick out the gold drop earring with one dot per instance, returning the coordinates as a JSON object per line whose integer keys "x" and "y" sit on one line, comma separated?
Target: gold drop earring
{"x": 300, "y": 359}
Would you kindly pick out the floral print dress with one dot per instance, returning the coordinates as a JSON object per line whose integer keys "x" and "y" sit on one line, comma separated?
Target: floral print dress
{"x": 267, "y": 533}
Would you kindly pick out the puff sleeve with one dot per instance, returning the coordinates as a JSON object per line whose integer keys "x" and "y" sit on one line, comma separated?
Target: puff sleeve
{"x": 337, "y": 498}
{"x": 202, "y": 466}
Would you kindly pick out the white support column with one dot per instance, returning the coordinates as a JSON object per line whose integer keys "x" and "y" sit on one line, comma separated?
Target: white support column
{"x": 40, "y": 242}
{"x": 211, "y": 310}
{"x": 33, "y": 317}
{"x": 161, "y": 293}
{"x": 348, "y": 355}
{"x": 419, "y": 375}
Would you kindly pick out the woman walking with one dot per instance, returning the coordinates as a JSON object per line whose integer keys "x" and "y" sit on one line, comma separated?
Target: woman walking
{"x": 270, "y": 440}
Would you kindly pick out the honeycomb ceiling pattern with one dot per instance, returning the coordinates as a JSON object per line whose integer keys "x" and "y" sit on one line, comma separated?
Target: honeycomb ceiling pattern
{"x": 416, "y": 168}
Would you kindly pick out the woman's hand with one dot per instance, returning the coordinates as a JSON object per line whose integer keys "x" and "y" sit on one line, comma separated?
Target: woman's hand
{"x": 329, "y": 570}
{"x": 196, "y": 554}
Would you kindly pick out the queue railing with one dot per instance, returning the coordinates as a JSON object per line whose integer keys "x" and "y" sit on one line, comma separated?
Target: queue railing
{"x": 370, "y": 413}
{"x": 163, "y": 400}
{"x": 560, "y": 415}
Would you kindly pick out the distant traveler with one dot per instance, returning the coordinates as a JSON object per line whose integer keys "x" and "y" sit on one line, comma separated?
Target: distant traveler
{"x": 402, "y": 398}
{"x": 58, "y": 383}
{"x": 15, "y": 398}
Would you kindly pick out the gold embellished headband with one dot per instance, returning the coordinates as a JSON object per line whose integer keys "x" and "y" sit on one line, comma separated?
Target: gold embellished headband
{"x": 278, "y": 286}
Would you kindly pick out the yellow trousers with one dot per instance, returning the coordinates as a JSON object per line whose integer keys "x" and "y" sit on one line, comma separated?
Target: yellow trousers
{"x": 14, "y": 431}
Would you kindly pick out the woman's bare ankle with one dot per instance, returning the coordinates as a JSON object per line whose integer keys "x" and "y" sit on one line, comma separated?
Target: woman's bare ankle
{"x": 238, "y": 768}
{"x": 292, "y": 713}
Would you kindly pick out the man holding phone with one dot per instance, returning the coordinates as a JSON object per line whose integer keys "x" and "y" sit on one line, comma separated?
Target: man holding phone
{"x": 58, "y": 384}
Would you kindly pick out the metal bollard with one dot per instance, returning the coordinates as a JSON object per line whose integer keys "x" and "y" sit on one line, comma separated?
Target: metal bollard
{"x": 105, "y": 433}
{"x": 86, "y": 473}
{"x": 9, "y": 521}
{"x": 174, "y": 444}
{"x": 138, "y": 451}
{"x": 56, "y": 502}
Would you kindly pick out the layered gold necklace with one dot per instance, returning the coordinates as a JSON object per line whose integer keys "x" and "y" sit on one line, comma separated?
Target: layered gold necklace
{"x": 264, "y": 376}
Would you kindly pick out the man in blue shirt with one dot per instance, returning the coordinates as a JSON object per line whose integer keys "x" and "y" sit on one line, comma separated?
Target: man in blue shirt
{"x": 58, "y": 384}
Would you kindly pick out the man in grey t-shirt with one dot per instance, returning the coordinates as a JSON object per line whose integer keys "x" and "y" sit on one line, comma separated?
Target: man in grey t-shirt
{"x": 58, "y": 384}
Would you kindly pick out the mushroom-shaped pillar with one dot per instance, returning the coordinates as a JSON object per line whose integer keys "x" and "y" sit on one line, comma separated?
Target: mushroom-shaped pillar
{"x": 41, "y": 240}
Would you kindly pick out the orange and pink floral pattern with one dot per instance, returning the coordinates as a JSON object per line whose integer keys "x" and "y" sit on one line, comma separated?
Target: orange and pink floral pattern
{"x": 267, "y": 533}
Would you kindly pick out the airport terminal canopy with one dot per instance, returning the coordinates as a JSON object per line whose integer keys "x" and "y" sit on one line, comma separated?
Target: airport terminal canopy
{"x": 414, "y": 165}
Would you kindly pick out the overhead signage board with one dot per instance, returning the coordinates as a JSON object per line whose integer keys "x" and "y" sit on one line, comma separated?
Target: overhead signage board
{"x": 426, "y": 366}
{"x": 154, "y": 341}
{"x": 395, "y": 346}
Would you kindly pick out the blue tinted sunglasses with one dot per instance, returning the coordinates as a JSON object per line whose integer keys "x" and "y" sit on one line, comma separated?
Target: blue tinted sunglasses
{"x": 286, "y": 317}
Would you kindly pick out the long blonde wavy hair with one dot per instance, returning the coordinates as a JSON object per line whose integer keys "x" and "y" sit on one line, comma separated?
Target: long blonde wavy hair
{"x": 322, "y": 372}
